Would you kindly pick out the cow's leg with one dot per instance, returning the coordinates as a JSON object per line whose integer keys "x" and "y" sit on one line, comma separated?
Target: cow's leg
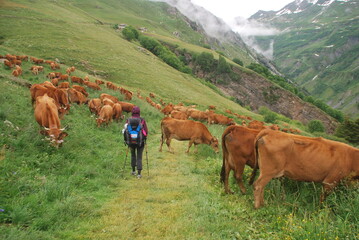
{"x": 189, "y": 145}
{"x": 259, "y": 190}
{"x": 162, "y": 139}
{"x": 168, "y": 142}
{"x": 227, "y": 170}
{"x": 195, "y": 148}
{"x": 238, "y": 174}
{"x": 328, "y": 187}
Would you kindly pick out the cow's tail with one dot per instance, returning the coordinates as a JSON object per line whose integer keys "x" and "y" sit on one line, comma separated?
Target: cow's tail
{"x": 256, "y": 154}
{"x": 224, "y": 152}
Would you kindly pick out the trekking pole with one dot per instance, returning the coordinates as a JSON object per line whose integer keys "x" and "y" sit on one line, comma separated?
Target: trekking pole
{"x": 124, "y": 164}
{"x": 148, "y": 170}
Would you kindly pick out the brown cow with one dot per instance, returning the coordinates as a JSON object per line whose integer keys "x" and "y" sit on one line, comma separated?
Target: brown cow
{"x": 60, "y": 97}
{"x": 105, "y": 95}
{"x": 255, "y": 124}
{"x": 107, "y": 101}
{"x": 99, "y": 82}
{"x": 105, "y": 115}
{"x": 46, "y": 115}
{"x": 8, "y": 63}
{"x": 126, "y": 107}
{"x": 179, "y": 115}
{"x": 167, "y": 109}
{"x": 15, "y": 73}
{"x": 75, "y": 79}
{"x": 117, "y": 111}
{"x": 214, "y": 118}
{"x": 128, "y": 95}
{"x": 19, "y": 69}
{"x": 77, "y": 97}
{"x": 55, "y": 81}
{"x": 92, "y": 85}
{"x": 80, "y": 89}
{"x": 110, "y": 85}
{"x": 182, "y": 130}
{"x": 197, "y": 114}
{"x": 95, "y": 105}
{"x": 64, "y": 85}
{"x": 302, "y": 159}
{"x": 63, "y": 77}
{"x": 238, "y": 150}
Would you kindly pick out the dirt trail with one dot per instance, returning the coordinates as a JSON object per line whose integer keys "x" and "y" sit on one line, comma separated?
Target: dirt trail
{"x": 156, "y": 206}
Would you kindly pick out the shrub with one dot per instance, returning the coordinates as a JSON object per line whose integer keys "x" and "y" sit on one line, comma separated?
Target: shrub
{"x": 148, "y": 43}
{"x": 223, "y": 66}
{"x": 238, "y": 61}
{"x": 130, "y": 33}
{"x": 269, "y": 116}
{"x": 315, "y": 126}
{"x": 349, "y": 130}
{"x": 164, "y": 53}
{"x": 205, "y": 61}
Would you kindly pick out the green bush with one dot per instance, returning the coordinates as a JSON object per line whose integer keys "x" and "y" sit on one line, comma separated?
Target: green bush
{"x": 268, "y": 115}
{"x": 205, "y": 61}
{"x": 130, "y": 33}
{"x": 148, "y": 43}
{"x": 349, "y": 130}
{"x": 223, "y": 66}
{"x": 164, "y": 53}
{"x": 316, "y": 126}
{"x": 238, "y": 61}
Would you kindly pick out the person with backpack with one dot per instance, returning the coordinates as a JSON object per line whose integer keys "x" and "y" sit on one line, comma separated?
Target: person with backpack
{"x": 135, "y": 134}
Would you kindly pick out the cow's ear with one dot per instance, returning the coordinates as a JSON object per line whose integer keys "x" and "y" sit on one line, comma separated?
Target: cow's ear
{"x": 63, "y": 134}
{"x": 44, "y": 132}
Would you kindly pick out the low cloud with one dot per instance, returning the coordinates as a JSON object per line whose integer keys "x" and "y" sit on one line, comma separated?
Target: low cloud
{"x": 216, "y": 27}
{"x": 248, "y": 29}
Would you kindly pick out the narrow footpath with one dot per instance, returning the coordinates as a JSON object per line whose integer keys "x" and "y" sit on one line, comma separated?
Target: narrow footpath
{"x": 163, "y": 205}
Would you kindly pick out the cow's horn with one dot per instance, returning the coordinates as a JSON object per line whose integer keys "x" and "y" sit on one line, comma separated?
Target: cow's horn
{"x": 47, "y": 129}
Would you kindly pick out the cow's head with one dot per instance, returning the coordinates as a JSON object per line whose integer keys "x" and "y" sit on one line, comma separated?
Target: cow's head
{"x": 231, "y": 122}
{"x": 99, "y": 121}
{"x": 56, "y": 135}
{"x": 214, "y": 144}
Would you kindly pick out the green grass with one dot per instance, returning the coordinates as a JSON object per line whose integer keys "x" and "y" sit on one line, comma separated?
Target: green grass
{"x": 78, "y": 192}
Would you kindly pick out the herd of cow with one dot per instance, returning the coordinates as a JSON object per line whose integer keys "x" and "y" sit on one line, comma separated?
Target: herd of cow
{"x": 275, "y": 153}
{"x": 52, "y": 99}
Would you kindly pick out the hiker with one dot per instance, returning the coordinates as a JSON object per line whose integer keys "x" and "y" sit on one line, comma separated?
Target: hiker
{"x": 135, "y": 134}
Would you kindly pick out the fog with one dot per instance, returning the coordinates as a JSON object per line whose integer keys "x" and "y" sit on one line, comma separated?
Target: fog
{"x": 217, "y": 28}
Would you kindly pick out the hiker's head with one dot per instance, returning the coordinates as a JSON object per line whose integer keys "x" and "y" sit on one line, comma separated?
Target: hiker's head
{"x": 135, "y": 111}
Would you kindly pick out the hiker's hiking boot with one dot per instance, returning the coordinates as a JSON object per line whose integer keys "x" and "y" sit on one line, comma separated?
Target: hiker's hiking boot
{"x": 133, "y": 173}
{"x": 139, "y": 176}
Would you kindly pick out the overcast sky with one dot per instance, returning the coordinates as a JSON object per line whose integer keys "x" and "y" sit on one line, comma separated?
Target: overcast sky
{"x": 229, "y": 9}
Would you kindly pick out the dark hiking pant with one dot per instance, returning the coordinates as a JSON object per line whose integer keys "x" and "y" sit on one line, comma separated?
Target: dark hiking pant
{"x": 136, "y": 158}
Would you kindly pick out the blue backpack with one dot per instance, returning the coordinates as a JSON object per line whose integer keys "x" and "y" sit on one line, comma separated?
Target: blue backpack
{"x": 133, "y": 135}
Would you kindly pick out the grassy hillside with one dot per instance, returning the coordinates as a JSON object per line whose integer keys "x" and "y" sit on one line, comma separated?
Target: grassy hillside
{"x": 79, "y": 190}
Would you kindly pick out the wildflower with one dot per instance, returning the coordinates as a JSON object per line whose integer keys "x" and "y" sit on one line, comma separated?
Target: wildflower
{"x": 2, "y": 210}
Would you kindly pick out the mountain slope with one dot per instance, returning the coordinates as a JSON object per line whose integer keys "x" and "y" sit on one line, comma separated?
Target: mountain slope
{"x": 82, "y": 35}
{"x": 318, "y": 49}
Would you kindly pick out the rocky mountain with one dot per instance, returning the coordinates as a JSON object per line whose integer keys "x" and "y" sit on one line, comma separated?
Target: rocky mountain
{"x": 318, "y": 48}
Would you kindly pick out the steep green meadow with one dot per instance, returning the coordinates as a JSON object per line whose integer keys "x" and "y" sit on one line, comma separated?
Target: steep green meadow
{"x": 80, "y": 190}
